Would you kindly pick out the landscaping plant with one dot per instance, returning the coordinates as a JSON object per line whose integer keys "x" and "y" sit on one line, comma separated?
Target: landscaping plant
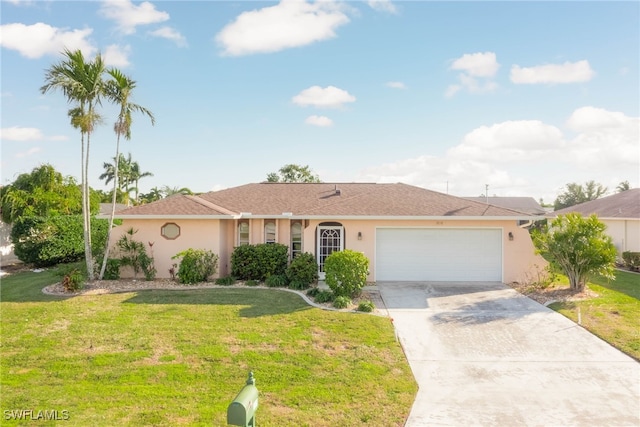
{"x": 579, "y": 247}
{"x": 302, "y": 271}
{"x": 196, "y": 265}
{"x": 346, "y": 272}
{"x": 134, "y": 254}
{"x": 258, "y": 262}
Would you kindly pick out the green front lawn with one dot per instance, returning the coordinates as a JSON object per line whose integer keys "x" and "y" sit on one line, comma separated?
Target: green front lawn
{"x": 614, "y": 315}
{"x": 180, "y": 357}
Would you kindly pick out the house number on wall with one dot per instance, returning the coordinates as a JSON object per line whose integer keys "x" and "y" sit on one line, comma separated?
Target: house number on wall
{"x": 439, "y": 222}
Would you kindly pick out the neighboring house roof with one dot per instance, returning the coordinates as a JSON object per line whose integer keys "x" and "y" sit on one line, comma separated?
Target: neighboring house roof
{"x": 520, "y": 204}
{"x": 310, "y": 200}
{"x": 625, "y": 204}
{"x": 105, "y": 208}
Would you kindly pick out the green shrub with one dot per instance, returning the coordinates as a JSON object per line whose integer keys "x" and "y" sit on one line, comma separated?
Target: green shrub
{"x": 226, "y": 281}
{"x": 276, "y": 281}
{"x": 251, "y": 282}
{"x": 298, "y": 285}
{"x": 196, "y": 265}
{"x": 134, "y": 254}
{"x": 48, "y": 241}
{"x": 313, "y": 292}
{"x": 631, "y": 260}
{"x": 303, "y": 270}
{"x": 366, "y": 306}
{"x": 346, "y": 272}
{"x": 112, "y": 272}
{"x": 323, "y": 296}
{"x": 341, "y": 302}
{"x": 72, "y": 277}
{"x": 258, "y": 262}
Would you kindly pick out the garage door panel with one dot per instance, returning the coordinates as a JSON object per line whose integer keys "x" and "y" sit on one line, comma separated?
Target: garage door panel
{"x": 439, "y": 254}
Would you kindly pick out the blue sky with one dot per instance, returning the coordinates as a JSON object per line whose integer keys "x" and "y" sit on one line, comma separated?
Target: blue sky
{"x": 451, "y": 96}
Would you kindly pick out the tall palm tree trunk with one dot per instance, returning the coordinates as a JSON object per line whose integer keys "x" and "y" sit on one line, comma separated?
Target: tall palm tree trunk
{"x": 85, "y": 204}
{"x": 87, "y": 214}
{"x": 113, "y": 210}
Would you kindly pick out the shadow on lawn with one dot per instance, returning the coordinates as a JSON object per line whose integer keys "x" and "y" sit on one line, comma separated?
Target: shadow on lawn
{"x": 253, "y": 302}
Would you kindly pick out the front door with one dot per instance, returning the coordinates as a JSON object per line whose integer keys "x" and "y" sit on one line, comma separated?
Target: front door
{"x": 329, "y": 240}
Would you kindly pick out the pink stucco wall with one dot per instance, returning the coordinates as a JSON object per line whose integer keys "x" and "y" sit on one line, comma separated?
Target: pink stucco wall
{"x": 520, "y": 263}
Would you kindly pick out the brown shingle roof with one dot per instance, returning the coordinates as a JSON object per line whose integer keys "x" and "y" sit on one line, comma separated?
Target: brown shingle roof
{"x": 621, "y": 205}
{"x": 324, "y": 199}
{"x": 520, "y": 204}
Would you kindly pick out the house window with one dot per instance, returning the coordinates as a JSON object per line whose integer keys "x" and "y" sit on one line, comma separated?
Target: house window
{"x": 296, "y": 239}
{"x": 243, "y": 233}
{"x": 270, "y": 232}
{"x": 170, "y": 231}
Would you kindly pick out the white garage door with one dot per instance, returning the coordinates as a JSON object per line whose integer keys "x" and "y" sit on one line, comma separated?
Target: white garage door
{"x": 459, "y": 254}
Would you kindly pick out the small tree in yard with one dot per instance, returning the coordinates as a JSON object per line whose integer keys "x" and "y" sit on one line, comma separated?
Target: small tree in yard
{"x": 346, "y": 272}
{"x": 579, "y": 247}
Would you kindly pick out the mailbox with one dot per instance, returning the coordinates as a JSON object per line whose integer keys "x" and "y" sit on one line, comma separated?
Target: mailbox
{"x": 242, "y": 411}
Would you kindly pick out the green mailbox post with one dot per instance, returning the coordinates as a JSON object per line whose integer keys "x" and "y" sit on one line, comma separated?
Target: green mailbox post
{"x": 242, "y": 411}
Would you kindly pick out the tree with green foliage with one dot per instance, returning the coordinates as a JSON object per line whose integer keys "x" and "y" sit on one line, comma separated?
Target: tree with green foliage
{"x": 293, "y": 173}
{"x": 578, "y": 246}
{"x": 623, "y": 186}
{"x": 575, "y": 194}
{"x": 51, "y": 240}
{"x": 81, "y": 82}
{"x": 119, "y": 90}
{"x": 42, "y": 192}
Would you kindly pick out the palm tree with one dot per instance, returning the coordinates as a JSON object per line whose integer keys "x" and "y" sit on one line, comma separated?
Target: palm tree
{"x": 170, "y": 191}
{"x": 119, "y": 89}
{"x": 135, "y": 178}
{"x": 81, "y": 82}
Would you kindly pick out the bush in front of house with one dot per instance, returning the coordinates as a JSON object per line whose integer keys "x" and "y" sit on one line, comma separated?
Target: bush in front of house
{"x": 48, "y": 241}
{"x": 323, "y": 296}
{"x": 134, "y": 254}
{"x": 346, "y": 272}
{"x": 196, "y": 265}
{"x": 226, "y": 281}
{"x": 72, "y": 277}
{"x": 302, "y": 271}
{"x": 631, "y": 260}
{"x": 341, "y": 302}
{"x": 258, "y": 262}
{"x": 366, "y": 306}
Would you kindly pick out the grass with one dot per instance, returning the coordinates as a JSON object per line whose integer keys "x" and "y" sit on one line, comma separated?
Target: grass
{"x": 180, "y": 357}
{"x": 613, "y": 315}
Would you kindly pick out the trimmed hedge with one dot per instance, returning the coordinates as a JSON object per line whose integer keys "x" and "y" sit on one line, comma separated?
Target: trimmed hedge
{"x": 47, "y": 241}
{"x": 196, "y": 265}
{"x": 258, "y": 262}
{"x": 303, "y": 271}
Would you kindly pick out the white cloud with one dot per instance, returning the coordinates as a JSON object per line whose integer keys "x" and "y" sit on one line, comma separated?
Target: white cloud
{"x": 521, "y": 140}
{"x": 569, "y": 72}
{"x": 396, "y": 85}
{"x": 291, "y": 23}
{"x": 320, "y": 121}
{"x": 527, "y": 158}
{"x": 589, "y": 118}
{"x": 170, "y": 34}
{"x": 27, "y": 153}
{"x": 328, "y": 97}
{"x": 477, "y": 71}
{"x": 17, "y": 133}
{"x": 37, "y": 40}
{"x": 117, "y": 56}
{"x": 477, "y": 64}
{"x": 128, "y": 16}
{"x": 383, "y": 6}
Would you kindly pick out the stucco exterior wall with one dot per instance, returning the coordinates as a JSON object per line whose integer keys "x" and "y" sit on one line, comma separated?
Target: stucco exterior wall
{"x": 197, "y": 234}
{"x": 520, "y": 263}
{"x": 625, "y": 234}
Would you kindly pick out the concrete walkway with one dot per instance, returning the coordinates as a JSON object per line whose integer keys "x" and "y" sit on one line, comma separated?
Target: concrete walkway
{"x": 484, "y": 355}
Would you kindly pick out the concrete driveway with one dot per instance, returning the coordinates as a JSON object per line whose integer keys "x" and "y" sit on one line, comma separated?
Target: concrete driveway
{"x": 483, "y": 354}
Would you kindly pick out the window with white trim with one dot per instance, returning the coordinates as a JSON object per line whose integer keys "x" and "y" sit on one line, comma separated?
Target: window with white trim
{"x": 269, "y": 232}
{"x": 243, "y": 233}
{"x": 296, "y": 239}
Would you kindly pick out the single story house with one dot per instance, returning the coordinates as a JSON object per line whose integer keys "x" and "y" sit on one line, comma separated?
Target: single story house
{"x": 619, "y": 212}
{"x": 407, "y": 233}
